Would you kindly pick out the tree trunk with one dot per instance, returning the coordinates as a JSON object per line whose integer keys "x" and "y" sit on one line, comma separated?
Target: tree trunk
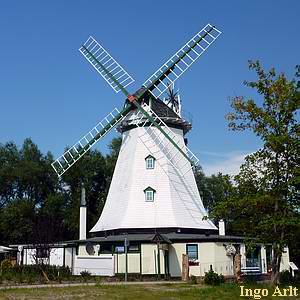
{"x": 276, "y": 265}
{"x": 237, "y": 266}
{"x": 185, "y": 268}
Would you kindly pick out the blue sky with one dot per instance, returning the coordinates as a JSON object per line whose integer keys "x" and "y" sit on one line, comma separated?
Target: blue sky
{"x": 50, "y": 93}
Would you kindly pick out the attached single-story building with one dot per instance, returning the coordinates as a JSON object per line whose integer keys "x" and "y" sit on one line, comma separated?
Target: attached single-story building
{"x": 153, "y": 254}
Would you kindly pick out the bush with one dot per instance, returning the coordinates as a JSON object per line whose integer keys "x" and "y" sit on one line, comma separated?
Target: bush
{"x": 212, "y": 278}
{"x": 193, "y": 279}
{"x": 35, "y": 273}
{"x": 57, "y": 273}
{"x": 221, "y": 278}
{"x": 85, "y": 275}
{"x": 297, "y": 278}
{"x": 250, "y": 279}
{"x": 285, "y": 277}
{"x": 6, "y": 265}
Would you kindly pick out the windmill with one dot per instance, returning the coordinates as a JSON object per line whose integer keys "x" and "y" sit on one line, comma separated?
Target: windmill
{"x": 115, "y": 75}
{"x": 153, "y": 186}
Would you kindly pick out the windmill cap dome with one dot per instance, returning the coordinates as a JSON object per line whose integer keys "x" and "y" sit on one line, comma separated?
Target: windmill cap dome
{"x": 161, "y": 110}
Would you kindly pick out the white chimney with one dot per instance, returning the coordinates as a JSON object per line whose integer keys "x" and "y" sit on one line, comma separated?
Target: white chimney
{"x": 82, "y": 216}
{"x": 221, "y": 227}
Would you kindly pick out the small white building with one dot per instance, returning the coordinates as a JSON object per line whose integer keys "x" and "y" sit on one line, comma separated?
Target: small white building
{"x": 152, "y": 255}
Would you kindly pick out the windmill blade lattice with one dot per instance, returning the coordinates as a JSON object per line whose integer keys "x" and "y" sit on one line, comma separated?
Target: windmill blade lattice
{"x": 119, "y": 79}
{"x": 105, "y": 65}
{"x": 94, "y": 60}
{"x": 65, "y": 161}
{"x": 170, "y": 71}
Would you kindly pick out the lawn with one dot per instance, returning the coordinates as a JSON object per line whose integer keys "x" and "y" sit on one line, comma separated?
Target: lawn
{"x": 140, "y": 292}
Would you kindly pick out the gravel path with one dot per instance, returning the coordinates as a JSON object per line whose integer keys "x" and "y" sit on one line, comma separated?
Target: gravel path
{"x": 37, "y": 286}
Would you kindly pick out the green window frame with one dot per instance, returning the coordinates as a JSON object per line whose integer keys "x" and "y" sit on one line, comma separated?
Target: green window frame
{"x": 150, "y": 162}
{"x": 149, "y": 194}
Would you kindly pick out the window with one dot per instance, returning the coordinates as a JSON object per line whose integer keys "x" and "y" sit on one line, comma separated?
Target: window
{"x": 149, "y": 194}
{"x": 42, "y": 252}
{"x": 192, "y": 251}
{"x": 119, "y": 249}
{"x": 106, "y": 249}
{"x": 150, "y": 161}
{"x": 134, "y": 248}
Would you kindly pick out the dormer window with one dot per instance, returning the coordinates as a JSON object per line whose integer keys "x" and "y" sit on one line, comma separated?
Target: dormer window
{"x": 150, "y": 161}
{"x": 149, "y": 194}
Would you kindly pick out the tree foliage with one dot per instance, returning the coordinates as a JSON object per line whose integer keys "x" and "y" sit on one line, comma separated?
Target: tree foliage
{"x": 213, "y": 189}
{"x": 37, "y": 207}
{"x": 266, "y": 203}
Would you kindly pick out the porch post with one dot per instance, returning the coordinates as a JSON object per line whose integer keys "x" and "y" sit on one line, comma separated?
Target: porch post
{"x": 158, "y": 261}
{"x": 263, "y": 258}
{"x": 243, "y": 255}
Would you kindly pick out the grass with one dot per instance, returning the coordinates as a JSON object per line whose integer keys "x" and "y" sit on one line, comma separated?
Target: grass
{"x": 140, "y": 292}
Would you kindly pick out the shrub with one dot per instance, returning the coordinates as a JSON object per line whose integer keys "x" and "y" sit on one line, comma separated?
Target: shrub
{"x": 297, "y": 278}
{"x": 35, "y": 273}
{"x": 57, "y": 273}
{"x": 193, "y": 279}
{"x": 5, "y": 265}
{"x": 85, "y": 275}
{"x": 285, "y": 277}
{"x": 221, "y": 278}
{"x": 250, "y": 279}
{"x": 213, "y": 278}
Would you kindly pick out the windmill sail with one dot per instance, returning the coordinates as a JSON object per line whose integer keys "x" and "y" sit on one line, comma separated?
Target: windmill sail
{"x": 94, "y": 60}
{"x": 170, "y": 71}
{"x": 105, "y": 65}
{"x": 65, "y": 161}
{"x": 119, "y": 79}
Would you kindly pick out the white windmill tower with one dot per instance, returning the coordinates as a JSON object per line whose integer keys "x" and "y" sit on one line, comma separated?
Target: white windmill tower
{"x": 153, "y": 185}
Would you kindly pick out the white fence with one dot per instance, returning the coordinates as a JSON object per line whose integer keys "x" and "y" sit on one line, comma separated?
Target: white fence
{"x": 97, "y": 265}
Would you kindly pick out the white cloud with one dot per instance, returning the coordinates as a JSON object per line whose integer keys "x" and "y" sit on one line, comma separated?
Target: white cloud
{"x": 226, "y": 163}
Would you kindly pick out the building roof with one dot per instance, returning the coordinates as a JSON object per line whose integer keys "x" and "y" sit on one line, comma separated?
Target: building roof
{"x": 4, "y": 249}
{"x": 162, "y": 110}
{"x": 164, "y": 238}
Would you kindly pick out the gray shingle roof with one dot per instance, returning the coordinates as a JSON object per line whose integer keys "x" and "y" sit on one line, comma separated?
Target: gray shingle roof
{"x": 167, "y": 237}
{"x": 163, "y": 110}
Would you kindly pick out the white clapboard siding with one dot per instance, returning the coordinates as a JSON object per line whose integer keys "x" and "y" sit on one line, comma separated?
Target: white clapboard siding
{"x": 177, "y": 201}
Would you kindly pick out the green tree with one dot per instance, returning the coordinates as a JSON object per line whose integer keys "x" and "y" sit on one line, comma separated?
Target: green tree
{"x": 37, "y": 207}
{"x": 213, "y": 189}
{"x": 94, "y": 171}
{"x": 266, "y": 205}
{"x": 9, "y": 161}
{"x": 50, "y": 220}
{"x": 17, "y": 221}
{"x": 26, "y": 180}
{"x": 111, "y": 159}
